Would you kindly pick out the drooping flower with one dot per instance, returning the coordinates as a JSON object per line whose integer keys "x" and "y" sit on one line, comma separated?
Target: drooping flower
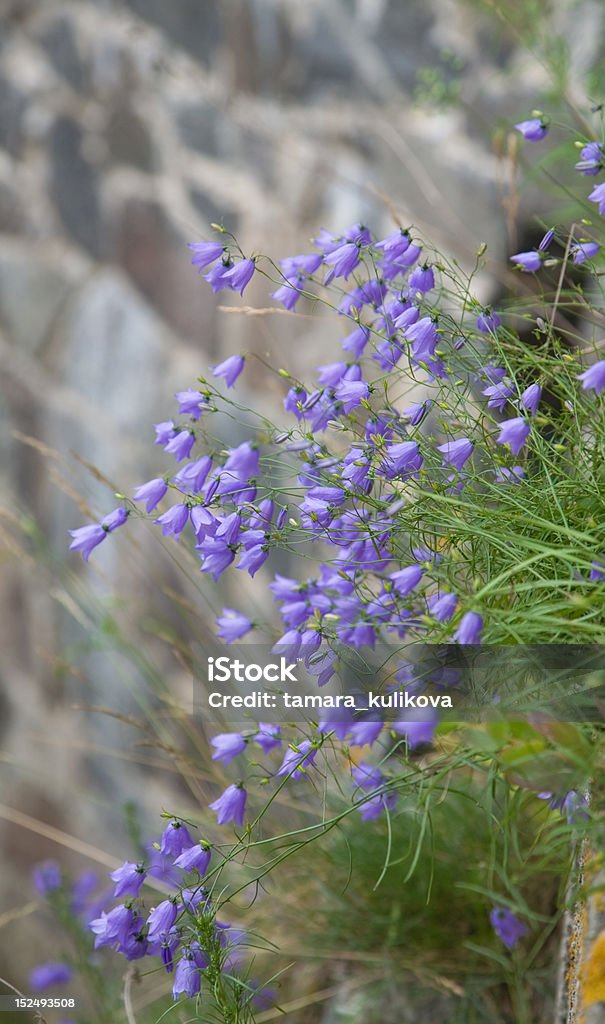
{"x": 161, "y": 920}
{"x": 514, "y": 432}
{"x": 129, "y": 878}
{"x": 230, "y": 369}
{"x": 196, "y": 858}
{"x": 191, "y": 403}
{"x": 180, "y": 445}
{"x": 86, "y": 539}
{"x": 404, "y": 580}
{"x": 507, "y": 926}
{"x": 351, "y": 393}
{"x": 187, "y": 977}
{"x": 205, "y": 253}
{"x": 584, "y": 251}
{"x": 530, "y": 262}
{"x": 422, "y": 279}
{"x": 268, "y": 736}
{"x": 592, "y": 159}
{"x": 597, "y": 571}
{"x": 240, "y": 275}
{"x": 298, "y": 759}
{"x": 152, "y": 492}
{"x": 344, "y": 259}
{"x": 594, "y": 377}
{"x": 534, "y": 129}
{"x": 598, "y": 196}
{"x": 510, "y": 476}
{"x": 531, "y": 397}
{"x": 442, "y": 606}
{"x": 417, "y": 731}
{"x": 232, "y": 625}
{"x": 231, "y": 805}
{"x": 175, "y": 838}
{"x": 227, "y": 745}
{"x": 173, "y": 521}
{"x": 456, "y": 453}
{"x": 470, "y": 629}
{"x": 488, "y": 321}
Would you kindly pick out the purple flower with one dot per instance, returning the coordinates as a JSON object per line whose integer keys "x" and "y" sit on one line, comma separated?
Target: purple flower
{"x": 456, "y": 453}
{"x": 196, "y": 858}
{"x": 514, "y": 432}
{"x": 597, "y": 571}
{"x": 470, "y": 628}
{"x": 46, "y": 975}
{"x": 530, "y": 398}
{"x": 356, "y": 341}
{"x": 533, "y": 130}
{"x": 47, "y": 877}
{"x": 417, "y": 731}
{"x": 509, "y": 476}
{"x": 416, "y": 412}
{"x": 498, "y": 394}
{"x": 180, "y": 445}
{"x": 592, "y": 158}
{"x": 113, "y": 928}
{"x": 86, "y": 539}
{"x": 175, "y": 839}
{"x": 598, "y": 196}
{"x": 161, "y": 920}
{"x": 344, "y": 259}
{"x": 173, "y": 521}
{"x": 227, "y": 746}
{"x": 364, "y": 734}
{"x": 231, "y": 805}
{"x": 187, "y": 977}
{"x": 164, "y": 431}
{"x": 488, "y": 321}
{"x": 191, "y": 477}
{"x": 128, "y": 878}
{"x": 594, "y": 377}
{"x": 152, "y": 492}
{"x": 268, "y": 737}
{"x": 422, "y": 279}
{"x": 395, "y": 244}
{"x": 295, "y": 400}
{"x": 205, "y": 253}
{"x": 442, "y": 607}
{"x": 406, "y": 579}
{"x": 232, "y": 625}
{"x": 297, "y": 759}
{"x": 584, "y": 251}
{"x": 289, "y": 293}
{"x": 402, "y": 459}
{"x": 217, "y": 277}
{"x": 240, "y": 275}
{"x": 530, "y": 262}
{"x": 351, "y": 393}
{"x": 230, "y": 369}
{"x": 507, "y": 927}
{"x": 191, "y": 403}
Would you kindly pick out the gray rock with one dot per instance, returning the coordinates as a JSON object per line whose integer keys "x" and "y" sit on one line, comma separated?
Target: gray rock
{"x": 34, "y": 284}
{"x": 193, "y": 26}
{"x": 129, "y": 139}
{"x": 60, "y": 41}
{"x": 12, "y": 108}
{"x": 74, "y": 186}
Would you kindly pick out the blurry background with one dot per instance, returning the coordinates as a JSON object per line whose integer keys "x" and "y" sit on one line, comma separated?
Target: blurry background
{"x": 126, "y": 129}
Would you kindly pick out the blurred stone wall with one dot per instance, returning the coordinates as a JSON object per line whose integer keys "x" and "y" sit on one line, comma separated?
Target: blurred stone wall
{"x": 126, "y": 129}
